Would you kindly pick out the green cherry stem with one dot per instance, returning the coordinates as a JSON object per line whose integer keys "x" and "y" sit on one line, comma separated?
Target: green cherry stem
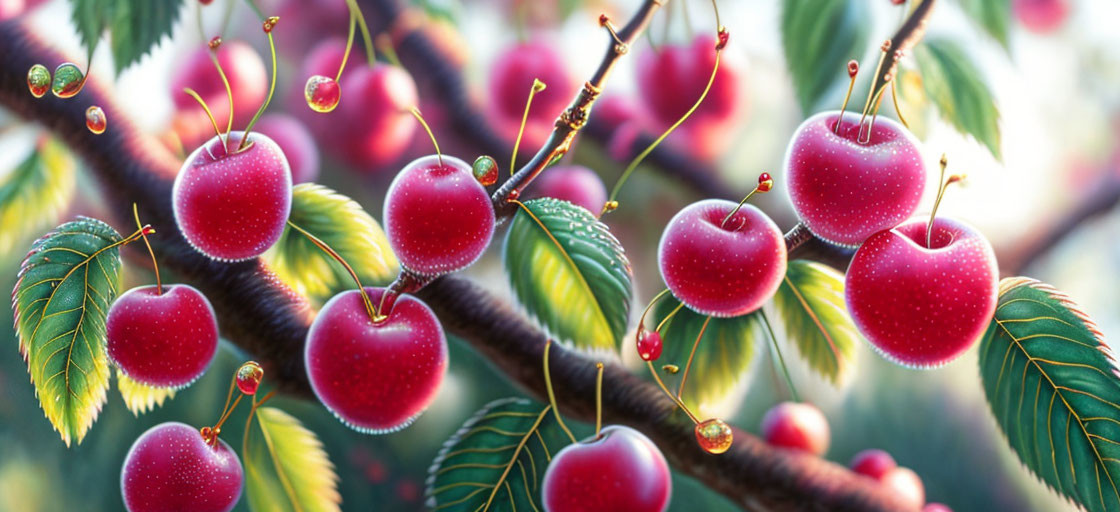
{"x": 416, "y": 113}
{"x": 781, "y": 360}
{"x": 209, "y": 114}
{"x": 538, "y": 86}
{"x": 269, "y": 23}
{"x": 552, "y": 396}
{"x": 943, "y": 184}
{"x": 144, "y": 235}
{"x": 346, "y": 53}
{"x": 599, "y": 401}
{"x": 373, "y": 312}
{"x": 384, "y": 43}
{"x": 691, "y": 355}
{"x": 661, "y": 384}
{"x": 214, "y": 44}
{"x": 356, "y": 14}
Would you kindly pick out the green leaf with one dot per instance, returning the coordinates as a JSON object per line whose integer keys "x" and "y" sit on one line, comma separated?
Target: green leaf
{"x": 135, "y": 26}
{"x": 286, "y": 468}
{"x": 497, "y": 460}
{"x": 569, "y": 272}
{"x": 345, "y": 227}
{"x": 723, "y": 354}
{"x": 141, "y": 398}
{"x": 34, "y": 194}
{"x": 65, "y": 286}
{"x": 810, "y": 301}
{"x": 1053, "y": 387}
{"x": 962, "y": 97}
{"x": 994, "y": 16}
{"x": 819, "y": 38}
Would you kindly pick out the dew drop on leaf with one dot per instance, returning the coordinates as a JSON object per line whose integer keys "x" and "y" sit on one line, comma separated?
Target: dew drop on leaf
{"x": 38, "y": 80}
{"x": 95, "y": 120}
{"x": 68, "y": 80}
{"x": 322, "y": 93}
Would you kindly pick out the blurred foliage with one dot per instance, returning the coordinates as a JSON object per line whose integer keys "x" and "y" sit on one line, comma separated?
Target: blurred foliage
{"x": 994, "y": 16}
{"x": 134, "y": 26}
{"x": 958, "y": 89}
{"x": 811, "y": 303}
{"x": 34, "y": 194}
{"x": 819, "y": 38}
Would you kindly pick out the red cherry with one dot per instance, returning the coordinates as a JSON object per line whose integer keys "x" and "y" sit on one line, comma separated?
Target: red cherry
{"x": 511, "y": 77}
{"x": 845, "y": 190}
{"x": 722, "y": 269}
{"x": 233, "y": 206}
{"x": 170, "y": 467}
{"x": 163, "y": 340}
{"x": 375, "y": 377}
{"x": 248, "y": 81}
{"x": 437, "y": 216}
{"x": 796, "y": 426}
{"x": 621, "y": 470}
{"x": 905, "y": 483}
{"x": 249, "y": 377}
{"x": 297, "y": 143}
{"x": 872, "y": 463}
{"x": 1041, "y": 16}
{"x": 575, "y": 184}
{"x": 317, "y": 21}
{"x": 920, "y": 306}
{"x": 649, "y": 345}
{"x": 936, "y": 507}
{"x": 765, "y": 182}
{"x": 322, "y": 93}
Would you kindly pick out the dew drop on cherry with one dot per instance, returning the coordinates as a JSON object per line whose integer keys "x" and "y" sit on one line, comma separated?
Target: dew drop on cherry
{"x": 649, "y": 345}
{"x": 38, "y": 80}
{"x": 765, "y": 182}
{"x": 68, "y": 80}
{"x": 322, "y": 93}
{"x": 249, "y": 377}
{"x": 714, "y": 436}
{"x": 95, "y": 120}
{"x": 485, "y": 170}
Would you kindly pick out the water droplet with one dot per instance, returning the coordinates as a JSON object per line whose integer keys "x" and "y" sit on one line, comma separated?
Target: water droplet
{"x": 38, "y": 80}
{"x": 95, "y": 120}
{"x": 649, "y": 345}
{"x": 322, "y": 93}
{"x": 270, "y": 23}
{"x": 68, "y": 80}
{"x": 485, "y": 170}
{"x": 714, "y": 436}
{"x": 249, "y": 377}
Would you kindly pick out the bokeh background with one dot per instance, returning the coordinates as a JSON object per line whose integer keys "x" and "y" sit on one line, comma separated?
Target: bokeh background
{"x": 1058, "y": 94}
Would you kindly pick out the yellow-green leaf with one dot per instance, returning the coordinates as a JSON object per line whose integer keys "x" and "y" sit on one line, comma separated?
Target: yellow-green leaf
{"x": 956, "y": 86}
{"x": 810, "y": 301}
{"x": 286, "y": 468}
{"x": 141, "y": 398}
{"x": 34, "y": 194}
{"x": 819, "y": 38}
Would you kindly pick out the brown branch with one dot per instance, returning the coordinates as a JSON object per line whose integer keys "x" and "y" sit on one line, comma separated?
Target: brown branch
{"x": 908, "y": 35}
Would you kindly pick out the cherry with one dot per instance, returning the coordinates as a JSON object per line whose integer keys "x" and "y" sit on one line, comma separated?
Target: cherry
{"x": 923, "y": 306}
{"x": 722, "y": 268}
{"x": 620, "y": 470}
{"x": 376, "y": 377}
{"x": 11, "y": 8}
{"x": 171, "y": 467}
{"x": 248, "y": 81}
{"x": 845, "y": 190}
{"x": 163, "y": 339}
{"x": 673, "y": 78}
{"x": 797, "y": 426}
{"x": 233, "y": 206}
{"x": 248, "y": 377}
{"x": 873, "y": 463}
{"x": 511, "y": 78}
{"x": 649, "y": 345}
{"x": 905, "y": 483}
{"x": 936, "y": 507}
{"x": 297, "y": 143}
{"x": 437, "y": 216}
{"x": 575, "y": 184}
{"x": 1041, "y": 16}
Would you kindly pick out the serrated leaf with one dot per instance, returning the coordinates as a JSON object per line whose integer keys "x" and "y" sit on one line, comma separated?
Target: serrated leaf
{"x": 723, "y": 355}
{"x": 994, "y": 16}
{"x": 345, "y": 227}
{"x": 286, "y": 467}
{"x": 135, "y": 27}
{"x": 962, "y": 97}
{"x": 141, "y": 398}
{"x": 61, "y": 299}
{"x": 35, "y": 193}
{"x": 819, "y": 38}
{"x": 810, "y": 301}
{"x": 497, "y": 460}
{"x": 1054, "y": 389}
{"x": 570, "y": 273}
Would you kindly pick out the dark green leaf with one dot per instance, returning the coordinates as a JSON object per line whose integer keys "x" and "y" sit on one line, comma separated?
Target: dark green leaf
{"x": 497, "y": 460}
{"x": 135, "y": 26}
{"x": 819, "y": 38}
{"x": 810, "y": 301}
{"x": 993, "y": 15}
{"x": 569, "y": 272}
{"x": 65, "y": 286}
{"x": 286, "y": 467}
{"x": 1053, "y": 387}
{"x": 955, "y": 85}
{"x": 35, "y": 193}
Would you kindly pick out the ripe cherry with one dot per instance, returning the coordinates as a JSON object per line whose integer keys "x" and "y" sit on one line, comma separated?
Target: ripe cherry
{"x": 375, "y": 377}
{"x": 248, "y": 377}
{"x": 649, "y": 345}
{"x": 171, "y": 467}
{"x": 1041, "y": 16}
{"x": 620, "y": 470}
{"x": 797, "y": 426}
{"x": 233, "y": 205}
{"x": 297, "y": 143}
{"x": 572, "y": 183}
{"x": 511, "y": 78}
{"x": 923, "y": 306}
{"x": 437, "y": 216}
{"x": 248, "y": 82}
{"x": 873, "y": 463}
{"x": 722, "y": 268}
{"x": 907, "y": 485}
{"x": 163, "y": 339}
{"x": 845, "y": 190}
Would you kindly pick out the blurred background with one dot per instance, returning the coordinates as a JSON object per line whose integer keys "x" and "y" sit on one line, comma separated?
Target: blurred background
{"x": 1054, "y": 76}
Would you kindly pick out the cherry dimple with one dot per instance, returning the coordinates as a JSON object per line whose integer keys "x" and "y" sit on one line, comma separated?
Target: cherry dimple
{"x": 171, "y": 467}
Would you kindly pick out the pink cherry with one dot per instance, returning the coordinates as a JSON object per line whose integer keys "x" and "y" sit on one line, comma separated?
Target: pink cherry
{"x": 1041, "y": 16}
{"x": 511, "y": 78}
{"x": 248, "y": 80}
{"x": 622, "y": 470}
{"x": 171, "y": 467}
{"x": 572, "y": 183}
{"x": 649, "y": 345}
{"x": 162, "y": 340}
{"x": 872, "y": 463}
{"x": 796, "y": 426}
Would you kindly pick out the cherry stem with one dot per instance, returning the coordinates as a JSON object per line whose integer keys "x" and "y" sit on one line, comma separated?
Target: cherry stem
{"x": 346, "y": 53}
{"x": 249, "y": 421}
{"x": 886, "y": 47}
{"x": 668, "y": 317}
{"x": 537, "y": 86}
{"x": 384, "y": 43}
{"x": 373, "y": 312}
{"x": 356, "y": 14}
{"x": 876, "y": 101}
{"x": 416, "y": 113}
{"x": 155, "y": 265}
{"x": 599, "y": 401}
{"x": 654, "y": 300}
{"x": 229, "y": 94}
{"x": 897, "y": 109}
{"x": 691, "y": 355}
{"x": 271, "y": 90}
{"x": 781, "y": 360}
{"x": 209, "y": 114}
{"x": 552, "y": 396}
{"x": 661, "y": 384}
{"x": 941, "y": 186}
{"x": 146, "y": 230}
{"x": 844, "y": 106}
{"x": 737, "y": 207}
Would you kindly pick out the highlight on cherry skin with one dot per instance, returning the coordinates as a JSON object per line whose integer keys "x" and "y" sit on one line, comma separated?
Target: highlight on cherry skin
{"x": 907, "y": 485}
{"x": 230, "y": 203}
{"x": 172, "y": 467}
{"x": 872, "y": 463}
{"x": 845, "y": 190}
{"x": 376, "y": 377}
{"x": 620, "y": 470}
{"x": 722, "y": 268}
{"x": 575, "y": 184}
{"x": 164, "y": 339}
{"x": 923, "y": 306}
{"x": 437, "y": 216}
{"x": 797, "y": 426}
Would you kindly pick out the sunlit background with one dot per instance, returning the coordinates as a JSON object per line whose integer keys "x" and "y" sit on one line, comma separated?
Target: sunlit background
{"x": 1058, "y": 95}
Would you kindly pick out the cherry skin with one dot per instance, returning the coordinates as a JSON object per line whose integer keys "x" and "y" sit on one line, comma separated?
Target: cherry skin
{"x": 437, "y": 216}
{"x": 171, "y": 467}
{"x": 919, "y": 306}
{"x": 1041, "y": 16}
{"x": 872, "y": 463}
{"x": 575, "y": 184}
{"x": 723, "y": 270}
{"x": 375, "y": 377}
{"x": 165, "y": 340}
{"x": 297, "y": 143}
{"x": 844, "y": 190}
{"x": 907, "y": 485}
{"x": 621, "y": 470}
{"x": 248, "y": 81}
{"x": 233, "y": 205}
{"x": 649, "y": 345}
{"x": 511, "y": 78}
{"x": 797, "y": 426}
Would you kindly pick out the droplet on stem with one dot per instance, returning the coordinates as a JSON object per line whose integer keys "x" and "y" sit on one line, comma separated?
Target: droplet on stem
{"x": 249, "y": 377}
{"x": 38, "y": 80}
{"x": 765, "y": 182}
{"x": 649, "y": 345}
{"x": 714, "y": 436}
{"x": 485, "y": 170}
{"x": 96, "y": 120}
{"x": 68, "y": 80}
{"x": 322, "y": 93}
